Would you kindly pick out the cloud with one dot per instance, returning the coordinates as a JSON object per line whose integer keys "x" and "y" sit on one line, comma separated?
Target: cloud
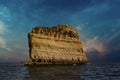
{"x": 2, "y": 43}
{"x": 18, "y": 53}
{"x": 95, "y": 19}
{"x": 92, "y": 14}
{"x": 91, "y": 43}
{"x": 3, "y": 30}
{"x": 2, "y": 27}
{"x": 5, "y": 13}
{"x": 114, "y": 36}
{"x": 65, "y": 5}
{"x": 95, "y": 44}
{"x": 80, "y": 27}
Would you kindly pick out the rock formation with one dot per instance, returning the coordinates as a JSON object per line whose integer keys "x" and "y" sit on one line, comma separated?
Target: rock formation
{"x": 55, "y": 45}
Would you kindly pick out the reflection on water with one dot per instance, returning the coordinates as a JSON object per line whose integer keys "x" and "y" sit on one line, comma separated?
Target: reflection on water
{"x": 107, "y": 71}
{"x": 54, "y": 73}
{"x": 101, "y": 71}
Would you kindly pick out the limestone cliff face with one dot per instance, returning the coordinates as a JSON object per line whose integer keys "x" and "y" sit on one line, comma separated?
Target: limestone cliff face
{"x": 55, "y": 45}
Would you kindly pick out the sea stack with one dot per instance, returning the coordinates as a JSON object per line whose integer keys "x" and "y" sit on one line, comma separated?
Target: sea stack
{"x": 55, "y": 45}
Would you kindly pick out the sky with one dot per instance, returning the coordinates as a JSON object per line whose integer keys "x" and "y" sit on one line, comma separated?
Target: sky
{"x": 97, "y": 22}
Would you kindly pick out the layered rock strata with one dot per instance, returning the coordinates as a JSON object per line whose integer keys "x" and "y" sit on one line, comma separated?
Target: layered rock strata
{"x": 55, "y": 45}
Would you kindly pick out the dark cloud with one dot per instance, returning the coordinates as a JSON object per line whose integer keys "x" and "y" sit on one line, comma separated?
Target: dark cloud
{"x": 99, "y": 18}
{"x": 67, "y": 5}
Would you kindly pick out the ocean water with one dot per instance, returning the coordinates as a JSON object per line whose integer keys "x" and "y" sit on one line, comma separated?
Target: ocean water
{"x": 90, "y": 71}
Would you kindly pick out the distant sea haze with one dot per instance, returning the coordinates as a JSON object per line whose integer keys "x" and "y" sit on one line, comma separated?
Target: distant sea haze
{"x": 90, "y": 71}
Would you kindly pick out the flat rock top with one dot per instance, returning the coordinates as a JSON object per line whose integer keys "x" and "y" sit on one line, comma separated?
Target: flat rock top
{"x": 56, "y": 31}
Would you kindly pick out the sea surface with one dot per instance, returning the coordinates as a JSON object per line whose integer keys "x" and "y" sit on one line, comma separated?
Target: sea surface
{"x": 90, "y": 71}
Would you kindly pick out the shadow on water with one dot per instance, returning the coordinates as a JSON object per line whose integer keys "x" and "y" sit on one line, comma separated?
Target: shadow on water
{"x": 54, "y": 72}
